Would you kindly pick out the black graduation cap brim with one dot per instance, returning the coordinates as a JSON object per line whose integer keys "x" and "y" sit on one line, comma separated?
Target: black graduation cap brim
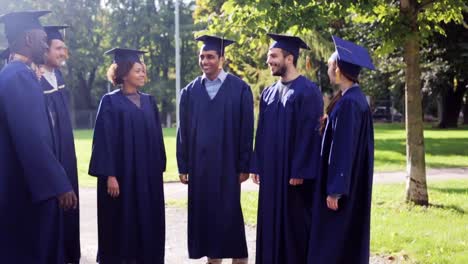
{"x": 53, "y": 32}
{"x": 125, "y": 55}
{"x": 18, "y": 22}
{"x": 352, "y": 53}
{"x": 214, "y": 43}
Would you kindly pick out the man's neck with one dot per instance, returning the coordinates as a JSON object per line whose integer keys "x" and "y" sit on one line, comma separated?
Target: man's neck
{"x": 290, "y": 75}
{"x": 213, "y": 76}
{"x": 49, "y": 68}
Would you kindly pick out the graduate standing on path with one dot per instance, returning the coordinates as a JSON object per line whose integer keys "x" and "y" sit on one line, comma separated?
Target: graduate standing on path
{"x": 129, "y": 159}
{"x": 287, "y": 154}
{"x": 214, "y": 146}
{"x": 57, "y": 100}
{"x": 33, "y": 183}
{"x": 342, "y": 202}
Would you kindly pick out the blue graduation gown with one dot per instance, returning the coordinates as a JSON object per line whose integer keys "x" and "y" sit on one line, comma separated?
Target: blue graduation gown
{"x": 128, "y": 144}
{"x": 214, "y": 145}
{"x": 57, "y": 105}
{"x": 287, "y": 145}
{"x": 347, "y": 169}
{"x": 30, "y": 175}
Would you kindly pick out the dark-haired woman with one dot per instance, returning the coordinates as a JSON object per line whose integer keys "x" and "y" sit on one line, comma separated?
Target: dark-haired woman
{"x": 342, "y": 202}
{"x": 129, "y": 159}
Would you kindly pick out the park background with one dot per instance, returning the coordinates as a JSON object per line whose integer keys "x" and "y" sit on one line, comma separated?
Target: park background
{"x": 419, "y": 93}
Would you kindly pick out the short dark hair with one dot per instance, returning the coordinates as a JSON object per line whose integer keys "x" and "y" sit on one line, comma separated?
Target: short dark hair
{"x": 117, "y": 71}
{"x": 287, "y": 53}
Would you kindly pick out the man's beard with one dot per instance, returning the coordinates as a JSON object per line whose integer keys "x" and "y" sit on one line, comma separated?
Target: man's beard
{"x": 281, "y": 71}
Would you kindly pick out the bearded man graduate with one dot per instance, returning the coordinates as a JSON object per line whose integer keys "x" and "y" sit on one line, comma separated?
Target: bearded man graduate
{"x": 214, "y": 146}
{"x": 33, "y": 184}
{"x": 287, "y": 154}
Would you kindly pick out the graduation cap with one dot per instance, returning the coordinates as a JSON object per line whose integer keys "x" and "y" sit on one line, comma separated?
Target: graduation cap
{"x": 290, "y": 44}
{"x": 351, "y": 57}
{"x": 214, "y": 43}
{"x": 125, "y": 55}
{"x": 53, "y": 32}
{"x": 18, "y": 22}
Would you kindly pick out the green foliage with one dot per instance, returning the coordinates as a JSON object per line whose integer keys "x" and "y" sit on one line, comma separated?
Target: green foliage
{"x": 378, "y": 25}
{"x": 96, "y": 26}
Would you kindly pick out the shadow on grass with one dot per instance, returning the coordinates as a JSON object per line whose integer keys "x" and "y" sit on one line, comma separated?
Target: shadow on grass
{"x": 450, "y": 207}
{"x": 452, "y": 190}
{"x": 433, "y": 146}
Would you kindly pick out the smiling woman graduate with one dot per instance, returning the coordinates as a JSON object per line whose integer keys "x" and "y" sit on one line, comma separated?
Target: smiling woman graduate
{"x": 129, "y": 159}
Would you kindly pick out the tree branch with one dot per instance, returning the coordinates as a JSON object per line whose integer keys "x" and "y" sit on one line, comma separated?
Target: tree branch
{"x": 425, "y": 4}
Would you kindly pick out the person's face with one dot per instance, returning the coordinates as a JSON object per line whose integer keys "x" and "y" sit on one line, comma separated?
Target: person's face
{"x": 277, "y": 62}
{"x": 332, "y": 71}
{"x": 56, "y": 54}
{"x": 209, "y": 62}
{"x": 37, "y": 41}
{"x": 136, "y": 76}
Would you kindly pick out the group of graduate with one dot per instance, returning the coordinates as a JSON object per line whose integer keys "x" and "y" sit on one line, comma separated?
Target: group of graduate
{"x": 314, "y": 170}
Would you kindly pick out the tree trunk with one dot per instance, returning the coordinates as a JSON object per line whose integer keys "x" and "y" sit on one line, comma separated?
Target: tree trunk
{"x": 416, "y": 187}
{"x": 451, "y": 103}
{"x": 83, "y": 97}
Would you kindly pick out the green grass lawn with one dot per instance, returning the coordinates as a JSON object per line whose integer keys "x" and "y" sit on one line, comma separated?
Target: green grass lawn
{"x": 444, "y": 148}
{"x": 437, "y": 234}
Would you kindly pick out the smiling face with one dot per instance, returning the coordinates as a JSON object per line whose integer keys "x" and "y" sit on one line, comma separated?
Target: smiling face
{"x": 209, "y": 61}
{"x": 56, "y": 54}
{"x": 277, "y": 62}
{"x": 136, "y": 77}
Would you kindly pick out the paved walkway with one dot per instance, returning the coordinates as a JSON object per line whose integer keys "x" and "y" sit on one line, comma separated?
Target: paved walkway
{"x": 176, "y": 232}
{"x": 176, "y": 218}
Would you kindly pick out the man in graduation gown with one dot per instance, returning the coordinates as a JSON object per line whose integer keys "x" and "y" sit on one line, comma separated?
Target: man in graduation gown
{"x": 287, "y": 149}
{"x": 214, "y": 145}
{"x": 33, "y": 184}
{"x": 57, "y": 105}
{"x": 341, "y": 212}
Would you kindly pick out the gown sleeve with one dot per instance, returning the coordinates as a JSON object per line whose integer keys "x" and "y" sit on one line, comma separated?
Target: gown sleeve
{"x": 28, "y": 126}
{"x": 246, "y": 131}
{"x": 255, "y": 162}
{"x": 306, "y": 159}
{"x": 162, "y": 149}
{"x": 345, "y": 126}
{"x": 182, "y": 134}
{"x": 103, "y": 162}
